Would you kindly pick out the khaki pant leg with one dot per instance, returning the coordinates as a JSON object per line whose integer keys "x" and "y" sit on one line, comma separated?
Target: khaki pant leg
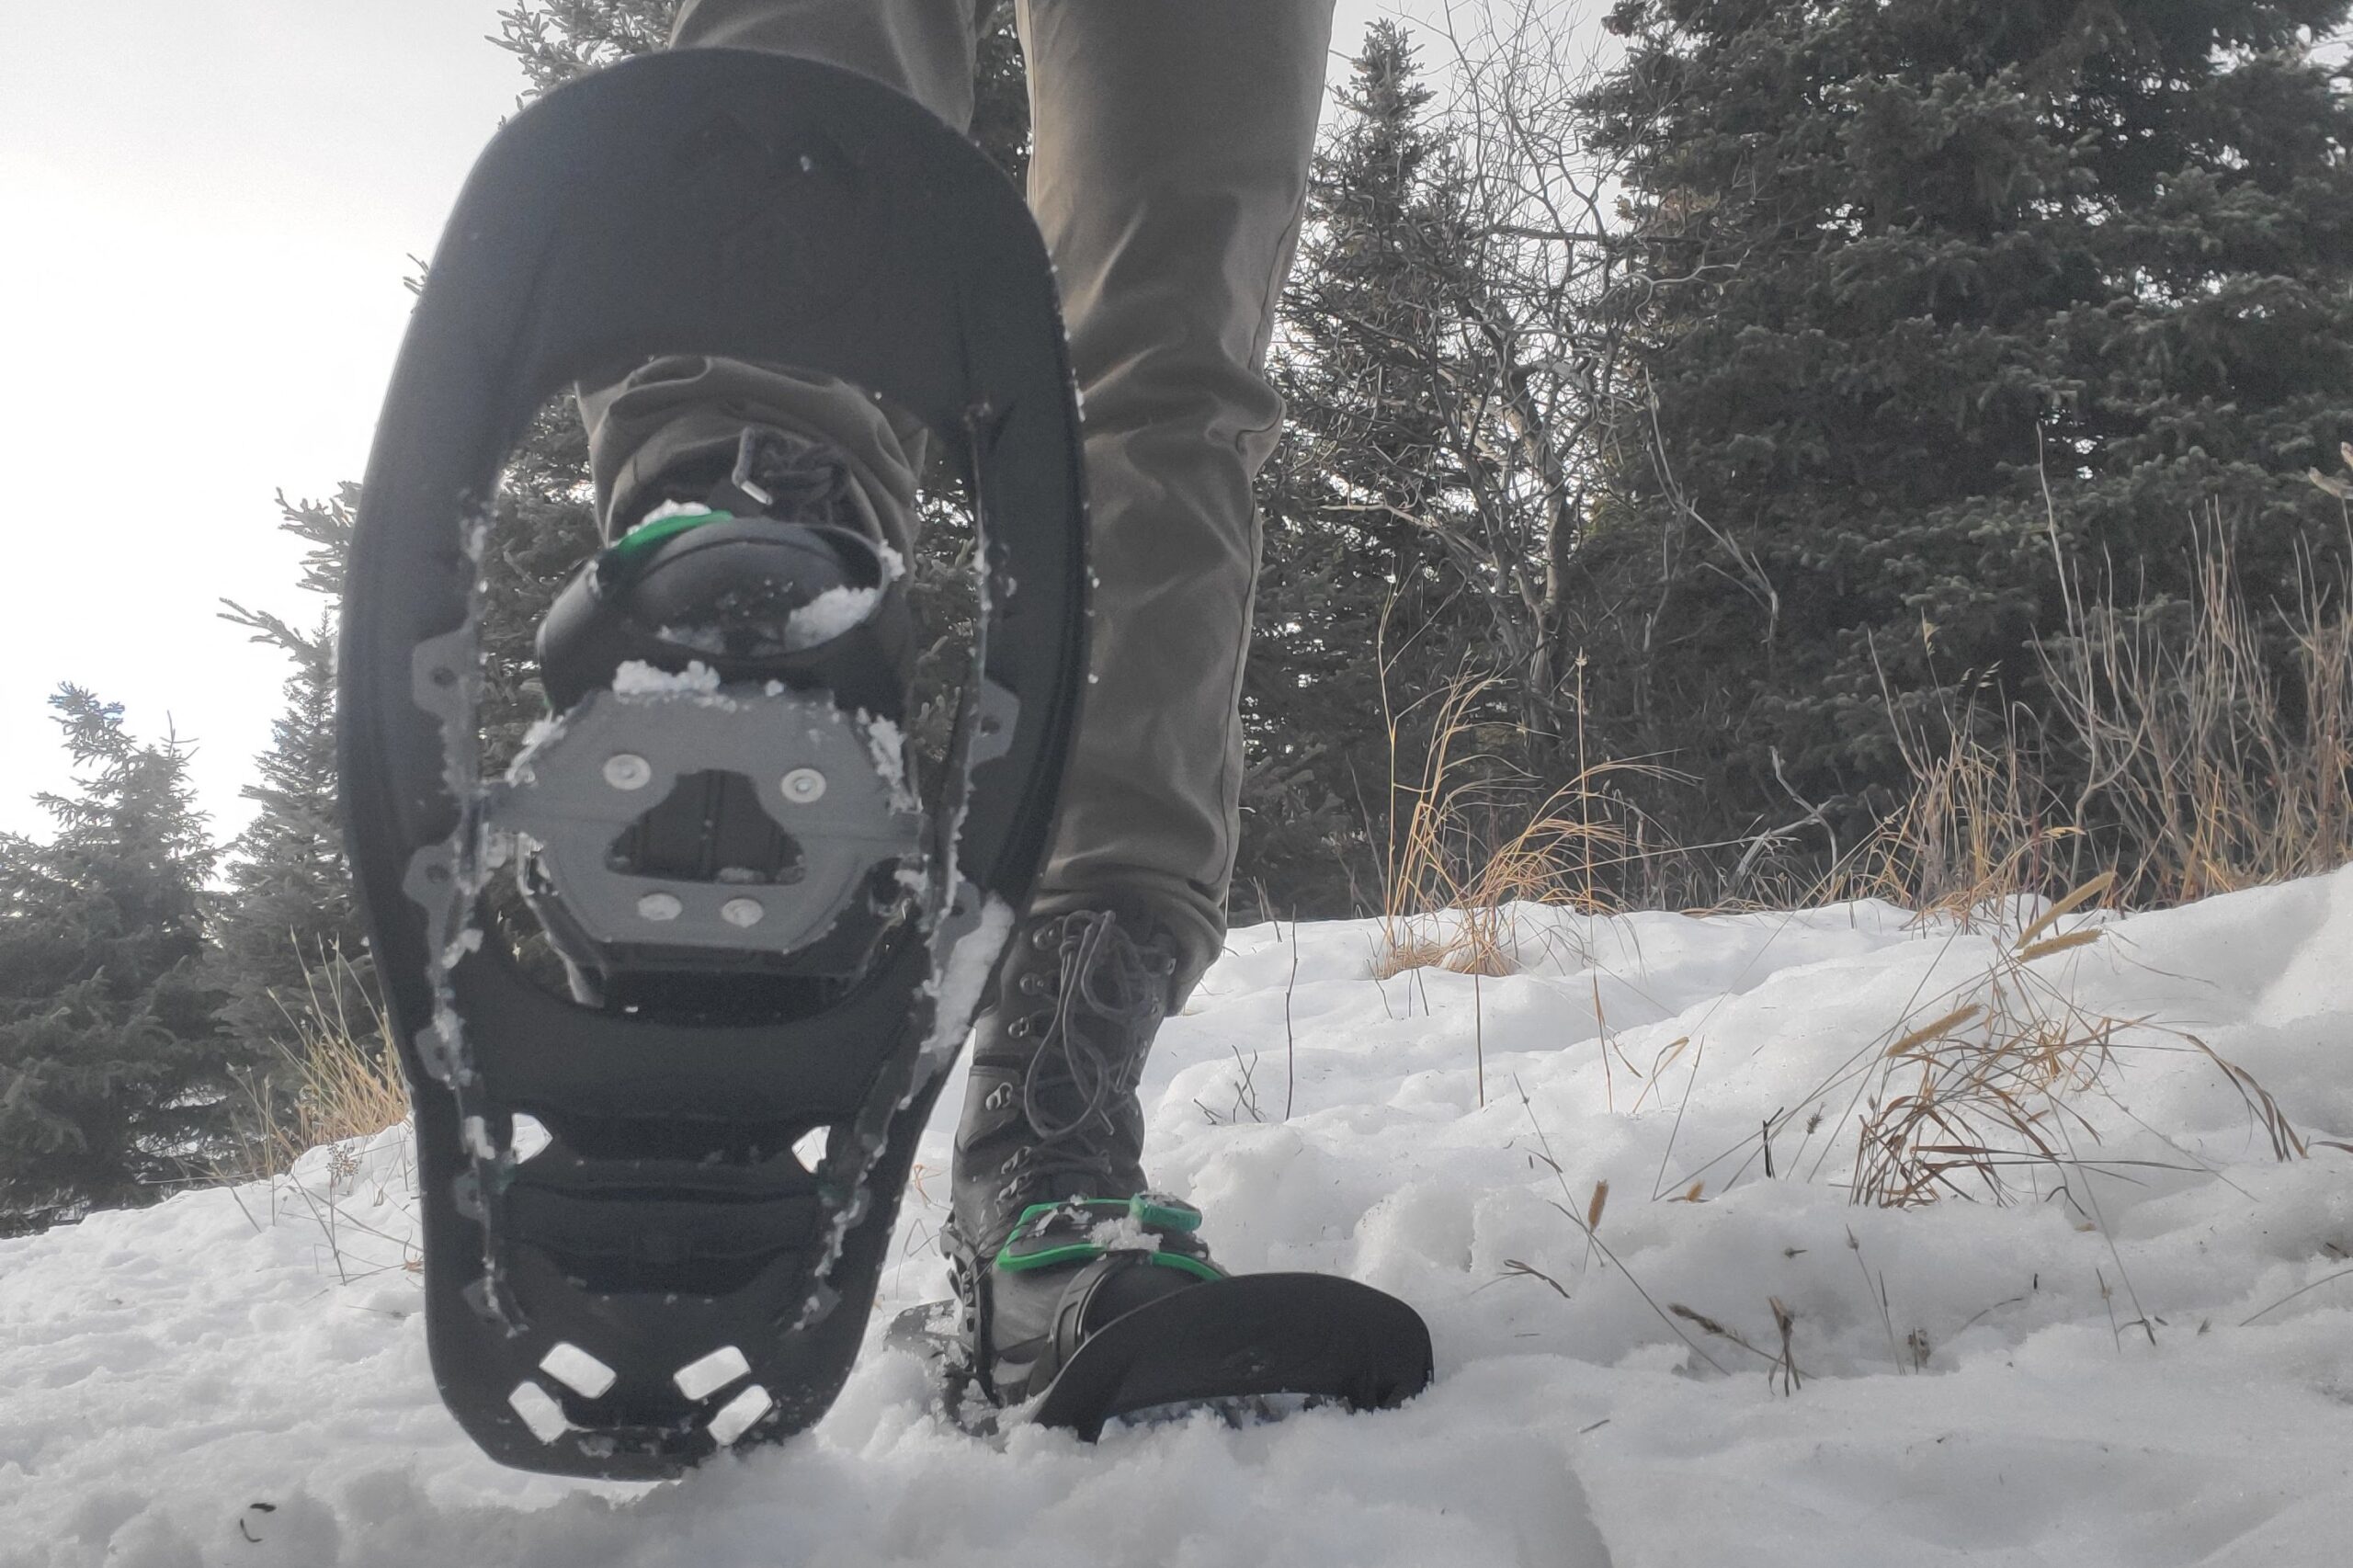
{"x": 684, "y": 407}
{"x": 1168, "y": 176}
{"x": 922, "y": 47}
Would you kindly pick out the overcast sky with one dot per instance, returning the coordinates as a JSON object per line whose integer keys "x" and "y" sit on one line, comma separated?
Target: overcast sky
{"x": 210, "y": 209}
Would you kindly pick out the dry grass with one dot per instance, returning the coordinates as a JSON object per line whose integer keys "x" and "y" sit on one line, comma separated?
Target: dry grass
{"x": 1963, "y": 1102}
{"x": 2208, "y": 762}
{"x": 1975, "y": 1093}
{"x": 2217, "y": 768}
{"x": 341, "y": 1085}
{"x": 1476, "y": 836}
{"x": 338, "y": 1088}
{"x": 1977, "y": 1090}
{"x": 1973, "y": 835}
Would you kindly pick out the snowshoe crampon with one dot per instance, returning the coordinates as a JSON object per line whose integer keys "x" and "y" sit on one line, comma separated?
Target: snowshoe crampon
{"x": 667, "y": 1276}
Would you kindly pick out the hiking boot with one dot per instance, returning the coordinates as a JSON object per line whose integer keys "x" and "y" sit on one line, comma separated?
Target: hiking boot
{"x": 749, "y": 580}
{"x": 754, "y": 567}
{"x": 1052, "y": 1233}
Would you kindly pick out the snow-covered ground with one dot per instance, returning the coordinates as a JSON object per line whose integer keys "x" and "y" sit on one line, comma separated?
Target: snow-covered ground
{"x": 2105, "y": 1366}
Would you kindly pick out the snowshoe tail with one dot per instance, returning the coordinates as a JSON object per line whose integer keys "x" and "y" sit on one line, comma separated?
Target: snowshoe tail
{"x": 689, "y": 1260}
{"x": 1248, "y": 1337}
{"x": 1225, "y": 1343}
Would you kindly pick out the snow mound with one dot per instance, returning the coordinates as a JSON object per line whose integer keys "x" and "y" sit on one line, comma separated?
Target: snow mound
{"x": 2134, "y": 1349}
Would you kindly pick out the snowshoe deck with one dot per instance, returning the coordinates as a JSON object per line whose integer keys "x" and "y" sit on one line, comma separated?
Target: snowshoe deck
{"x": 1235, "y": 1343}
{"x": 668, "y": 1275}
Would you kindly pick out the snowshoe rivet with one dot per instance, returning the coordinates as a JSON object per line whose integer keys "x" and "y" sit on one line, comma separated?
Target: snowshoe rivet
{"x": 803, "y": 785}
{"x": 742, "y": 912}
{"x": 659, "y": 906}
{"x": 627, "y": 770}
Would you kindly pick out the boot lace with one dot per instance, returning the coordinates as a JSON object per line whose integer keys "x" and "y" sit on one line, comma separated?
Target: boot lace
{"x": 1106, "y": 988}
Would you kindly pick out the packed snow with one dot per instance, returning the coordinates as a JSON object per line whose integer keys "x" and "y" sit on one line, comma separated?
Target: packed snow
{"x": 636, "y": 678}
{"x": 2138, "y": 1350}
{"x": 829, "y": 615}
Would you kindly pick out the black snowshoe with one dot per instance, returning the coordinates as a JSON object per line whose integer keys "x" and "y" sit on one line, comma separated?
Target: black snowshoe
{"x": 775, "y": 942}
{"x": 780, "y": 945}
{"x": 1073, "y": 1309}
{"x": 1099, "y": 1309}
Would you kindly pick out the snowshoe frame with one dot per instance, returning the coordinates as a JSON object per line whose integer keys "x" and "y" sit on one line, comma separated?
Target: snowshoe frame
{"x": 709, "y": 201}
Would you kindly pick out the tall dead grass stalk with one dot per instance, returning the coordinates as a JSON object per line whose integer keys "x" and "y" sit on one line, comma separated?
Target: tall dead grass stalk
{"x": 1989, "y": 1088}
{"x": 342, "y": 1082}
{"x": 2211, "y": 765}
{"x": 1476, "y": 835}
{"x": 1973, "y": 833}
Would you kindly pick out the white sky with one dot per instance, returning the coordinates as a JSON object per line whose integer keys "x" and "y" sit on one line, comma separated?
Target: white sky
{"x": 209, "y": 213}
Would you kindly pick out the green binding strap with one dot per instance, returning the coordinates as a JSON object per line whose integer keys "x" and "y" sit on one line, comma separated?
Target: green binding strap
{"x": 1165, "y": 1216}
{"x": 624, "y": 551}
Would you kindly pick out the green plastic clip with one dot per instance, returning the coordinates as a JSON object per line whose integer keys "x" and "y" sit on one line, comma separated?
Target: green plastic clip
{"x": 1167, "y": 1216}
{"x": 623, "y": 552}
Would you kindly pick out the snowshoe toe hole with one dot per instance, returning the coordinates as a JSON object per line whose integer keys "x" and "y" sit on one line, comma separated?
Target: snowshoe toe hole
{"x": 811, "y": 1147}
{"x": 530, "y": 1137}
{"x": 539, "y": 1411}
{"x": 710, "y": 828}
{"x": 578, "y": 1370}
{"x": 706, "y": 1375}
{"x": 740, "y": 1415}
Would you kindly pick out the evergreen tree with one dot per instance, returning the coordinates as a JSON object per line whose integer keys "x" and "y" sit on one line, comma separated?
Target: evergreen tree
{"x": 1359, "y": 503}
{"x": 1934, "y": 296}
{"x": 1420, "y": 512}
{"x": 113, "y": 1069}
{"x": 289, "y": 949}
{"x": 1001, "y": 91}
{"x": 558, "y": 40}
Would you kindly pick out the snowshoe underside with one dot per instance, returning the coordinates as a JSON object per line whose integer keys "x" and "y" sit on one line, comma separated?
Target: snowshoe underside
{"x": 689, "y": 1261}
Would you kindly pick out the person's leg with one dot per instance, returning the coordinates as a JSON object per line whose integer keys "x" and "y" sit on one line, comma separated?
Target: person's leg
{"x": 923, "y": 48}
{"x": 688, "y": 409}
{"x": 1168, "y": 171}
{"x": 784, "y": 457}
{"x": 1172, "y": 140}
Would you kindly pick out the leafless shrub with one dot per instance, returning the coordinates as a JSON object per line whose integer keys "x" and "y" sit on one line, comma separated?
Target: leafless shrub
{"x": 2208, "y": 768}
